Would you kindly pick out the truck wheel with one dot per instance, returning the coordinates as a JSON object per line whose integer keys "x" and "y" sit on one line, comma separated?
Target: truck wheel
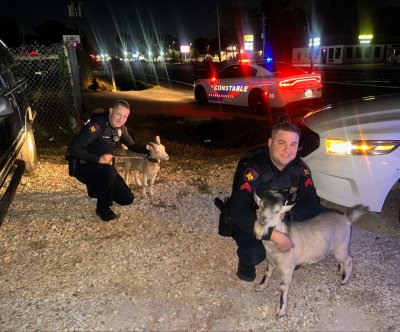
{"x": 28, "y": 151}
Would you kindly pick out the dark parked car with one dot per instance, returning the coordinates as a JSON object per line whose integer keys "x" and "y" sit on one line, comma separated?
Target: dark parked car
{"x": 17, "y": 143}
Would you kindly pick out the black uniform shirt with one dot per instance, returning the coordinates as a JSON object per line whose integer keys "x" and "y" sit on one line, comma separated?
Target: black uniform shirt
{"x": 98, "y": 137}
{"x": 294, "y": 182}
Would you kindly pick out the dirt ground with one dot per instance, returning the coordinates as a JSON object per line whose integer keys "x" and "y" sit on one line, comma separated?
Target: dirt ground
{"x": 161, "y": 266}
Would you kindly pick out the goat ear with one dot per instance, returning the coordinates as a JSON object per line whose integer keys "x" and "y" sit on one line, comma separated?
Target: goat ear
{"x": 158, "y": 140}
{"x": 286, "y": 208}
{"x": 257, "y": 199}
{"x": 149, "y": 147}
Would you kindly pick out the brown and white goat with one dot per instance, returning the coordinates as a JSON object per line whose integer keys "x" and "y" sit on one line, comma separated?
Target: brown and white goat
{"x": 313, "y": 240}
{"x": 147, "y": 165}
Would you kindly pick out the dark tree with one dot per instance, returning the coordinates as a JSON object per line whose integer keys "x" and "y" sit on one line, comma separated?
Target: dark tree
{"x": 9, "y": 32}
{"x": 201, "y": 45}
{"x": 50, "y": 32}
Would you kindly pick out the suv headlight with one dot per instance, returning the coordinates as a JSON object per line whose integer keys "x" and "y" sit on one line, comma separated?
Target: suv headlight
{"x": 346, "y": 147}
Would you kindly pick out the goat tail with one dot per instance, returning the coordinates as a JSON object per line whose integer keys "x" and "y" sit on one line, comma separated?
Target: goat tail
{"x": 355, "y": 213}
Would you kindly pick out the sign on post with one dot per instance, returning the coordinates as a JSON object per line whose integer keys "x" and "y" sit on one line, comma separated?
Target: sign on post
{"x": 71, "y": 39}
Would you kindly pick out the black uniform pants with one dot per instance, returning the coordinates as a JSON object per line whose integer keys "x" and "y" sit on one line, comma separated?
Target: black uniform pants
{"x": 104, "y": 181}
{"x": 250, "y": 251}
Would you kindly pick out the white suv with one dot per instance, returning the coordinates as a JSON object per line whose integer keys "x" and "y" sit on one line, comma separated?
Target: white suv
{"x": 353, "y": 150}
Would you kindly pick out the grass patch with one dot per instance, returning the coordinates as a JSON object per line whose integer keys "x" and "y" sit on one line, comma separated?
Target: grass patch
{"x": 216, "y": 140}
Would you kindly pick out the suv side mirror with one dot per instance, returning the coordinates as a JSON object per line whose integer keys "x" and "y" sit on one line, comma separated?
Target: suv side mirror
{"x": 5, "y": 108}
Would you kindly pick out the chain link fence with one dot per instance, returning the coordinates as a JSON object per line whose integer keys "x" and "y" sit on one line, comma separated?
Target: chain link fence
{"x": 48, "y": 72}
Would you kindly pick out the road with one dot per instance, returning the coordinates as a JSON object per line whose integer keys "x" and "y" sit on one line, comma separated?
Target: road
{"x": 341, "y": 82}
{"x": 224, "y": 125}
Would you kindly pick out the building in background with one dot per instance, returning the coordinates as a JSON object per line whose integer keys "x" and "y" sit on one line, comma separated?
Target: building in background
{"x": 368, "y": 49}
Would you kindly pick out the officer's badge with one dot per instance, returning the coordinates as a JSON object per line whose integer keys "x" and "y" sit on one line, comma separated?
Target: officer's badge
{"x": 293, "y": 190}
{"x": 250, "y": 175}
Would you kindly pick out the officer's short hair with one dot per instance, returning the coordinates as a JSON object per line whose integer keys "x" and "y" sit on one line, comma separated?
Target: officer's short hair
{"x": 121, "y": 102}
{"x": 286, "y": 126}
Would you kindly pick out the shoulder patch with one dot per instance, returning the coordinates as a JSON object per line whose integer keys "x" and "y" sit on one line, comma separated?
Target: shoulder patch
{"x": 308, "y": 183}
{"x": 305, "y": 171}
{"x": 250, "y": 175}
{"x": 93, "y": 128}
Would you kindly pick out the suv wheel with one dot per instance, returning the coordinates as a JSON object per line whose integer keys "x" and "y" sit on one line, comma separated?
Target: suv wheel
{"x": 28, "y": 151}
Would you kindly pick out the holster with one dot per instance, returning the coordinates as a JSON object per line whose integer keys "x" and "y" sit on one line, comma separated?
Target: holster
{"x": 72, "y": 164}
{"x": 225, "y": 224}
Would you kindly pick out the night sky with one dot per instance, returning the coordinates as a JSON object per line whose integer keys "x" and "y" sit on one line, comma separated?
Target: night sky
{"x": 183, "y": 19}
{"x": 103, "y": 19}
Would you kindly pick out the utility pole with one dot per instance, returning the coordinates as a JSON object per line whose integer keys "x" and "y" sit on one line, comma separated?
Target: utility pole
{"x": 75, "y": 11}
{"x": 219, "y": 37}
{"x": 264, "y": 37}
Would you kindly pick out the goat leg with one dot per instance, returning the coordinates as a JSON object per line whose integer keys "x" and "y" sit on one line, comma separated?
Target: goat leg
{"x": 151, "y": 185}
{"x": 126, "y": 177}
{"x": 284, "y": 287}
{"x": 137, "y": 179}
{"x": 266, "y": 278}
{"x": 144, "y": 185}
{"x": 347, "y": 269}
{"x": 345, "y": 262}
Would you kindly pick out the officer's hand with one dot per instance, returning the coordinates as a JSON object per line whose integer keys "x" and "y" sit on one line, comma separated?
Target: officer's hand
{"x": 105, "y": 158}
{"x": 282, "y": 241}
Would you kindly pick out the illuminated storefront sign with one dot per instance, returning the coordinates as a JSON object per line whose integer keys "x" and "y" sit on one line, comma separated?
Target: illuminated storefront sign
{"x": 248, "y": 42}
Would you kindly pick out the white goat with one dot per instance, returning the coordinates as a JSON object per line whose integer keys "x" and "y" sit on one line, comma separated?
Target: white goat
{"x": 147, "y": 165}
{"x": 313, "y": 240}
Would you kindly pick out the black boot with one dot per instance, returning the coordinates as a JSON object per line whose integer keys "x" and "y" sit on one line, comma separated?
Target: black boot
{"x": 106, "y": 214}
{"x": 246, "y": 272}
{"x": 91, "y": 193}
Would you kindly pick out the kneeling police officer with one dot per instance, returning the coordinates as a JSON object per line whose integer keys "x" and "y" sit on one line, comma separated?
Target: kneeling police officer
{"x": 90, "y": 157}
{"x": 274, "y": 167}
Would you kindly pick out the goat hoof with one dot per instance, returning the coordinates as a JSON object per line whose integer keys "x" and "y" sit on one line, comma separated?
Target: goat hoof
{"x": 344, "y": 282}
{"x": 280, "y": 312}
{"x": 258, "y": 288}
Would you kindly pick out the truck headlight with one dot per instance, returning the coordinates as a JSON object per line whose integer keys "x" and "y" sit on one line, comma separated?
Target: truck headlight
{"x": 346, "y": 147}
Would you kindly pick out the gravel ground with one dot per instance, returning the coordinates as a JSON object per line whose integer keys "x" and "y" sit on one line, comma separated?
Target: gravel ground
{"x": 162, "y": 266}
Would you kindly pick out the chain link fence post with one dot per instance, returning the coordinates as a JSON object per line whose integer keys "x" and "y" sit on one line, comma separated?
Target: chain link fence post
{"x": 75, "y": 85}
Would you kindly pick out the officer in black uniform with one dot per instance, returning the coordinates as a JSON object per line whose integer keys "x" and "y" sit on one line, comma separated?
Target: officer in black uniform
{"x": 275, "y": 168}
{"x": 91, "y": 158}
